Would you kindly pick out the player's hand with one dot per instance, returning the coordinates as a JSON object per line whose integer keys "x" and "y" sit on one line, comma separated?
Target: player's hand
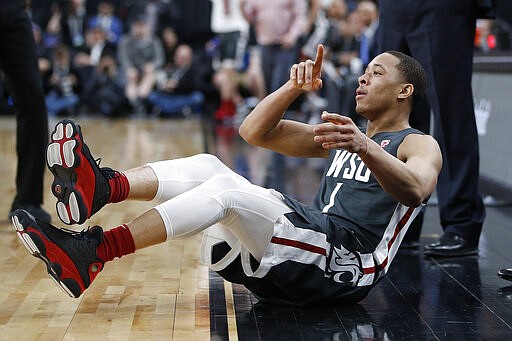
{"x": 340, "y": 132}
{"x": 306, "y": 75}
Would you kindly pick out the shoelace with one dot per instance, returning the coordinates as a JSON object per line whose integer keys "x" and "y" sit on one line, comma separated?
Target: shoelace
{"x": 108, "y": 172}
{"x": 76, "y": 234}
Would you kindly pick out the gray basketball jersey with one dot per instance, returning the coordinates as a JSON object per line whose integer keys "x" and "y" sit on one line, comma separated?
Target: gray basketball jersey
{"x": 350, "y": 195}
{"x": 350, "y": 191}
{"x": 337, "y": 250}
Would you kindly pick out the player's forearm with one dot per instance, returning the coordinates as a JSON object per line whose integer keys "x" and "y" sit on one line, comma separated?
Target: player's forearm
{"x": 266, "y": 116}
{"x": 396, "y": 178}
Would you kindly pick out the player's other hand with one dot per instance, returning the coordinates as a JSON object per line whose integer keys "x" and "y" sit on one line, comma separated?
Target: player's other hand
{"x": 340, "y": 131}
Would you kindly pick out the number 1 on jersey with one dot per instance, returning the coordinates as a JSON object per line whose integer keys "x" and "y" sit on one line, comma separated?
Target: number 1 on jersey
{"x": 331, "y": 199}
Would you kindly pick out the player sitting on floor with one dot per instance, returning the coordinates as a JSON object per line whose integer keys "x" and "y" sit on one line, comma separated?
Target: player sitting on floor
{"x": 336, "y": 250}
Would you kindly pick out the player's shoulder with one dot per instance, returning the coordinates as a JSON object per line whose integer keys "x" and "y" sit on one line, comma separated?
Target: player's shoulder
{"x": 419, "y": 144}
{"x": 415, "y": 136}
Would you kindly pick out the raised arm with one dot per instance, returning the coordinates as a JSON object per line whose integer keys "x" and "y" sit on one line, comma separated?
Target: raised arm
{"x": 265, "y": 126}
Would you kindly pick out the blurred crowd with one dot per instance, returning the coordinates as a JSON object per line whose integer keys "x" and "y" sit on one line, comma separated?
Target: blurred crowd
{"x": 210, "y": 57}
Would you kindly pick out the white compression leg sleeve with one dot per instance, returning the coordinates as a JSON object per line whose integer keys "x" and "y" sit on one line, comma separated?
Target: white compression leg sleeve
{"x": 246, "y": 210}
{"x": 180, "y": 175}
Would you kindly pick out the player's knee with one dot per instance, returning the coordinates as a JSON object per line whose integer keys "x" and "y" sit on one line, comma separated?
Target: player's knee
{"x": 205, "y": 157}
{"x": 225, "y": 188}
{"x": 226, "y": 182}
{"x": 207, "y": 160}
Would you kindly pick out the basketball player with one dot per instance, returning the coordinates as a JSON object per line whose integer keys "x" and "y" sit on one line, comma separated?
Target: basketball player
{"x": 283, "y": 251}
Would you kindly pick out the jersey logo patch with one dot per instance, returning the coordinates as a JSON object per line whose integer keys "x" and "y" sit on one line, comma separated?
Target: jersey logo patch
{"x": 344, "y": 266}
{"x": 385, "y": 143}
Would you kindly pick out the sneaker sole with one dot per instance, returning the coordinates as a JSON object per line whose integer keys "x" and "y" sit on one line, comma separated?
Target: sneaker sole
{"x": 36, "y": 247}
{"x": 63, "y": 158}
{"x": 504, "y": 276}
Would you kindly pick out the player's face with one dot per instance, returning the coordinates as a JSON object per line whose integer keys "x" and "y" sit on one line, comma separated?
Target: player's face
{"x": 379, "y": 86}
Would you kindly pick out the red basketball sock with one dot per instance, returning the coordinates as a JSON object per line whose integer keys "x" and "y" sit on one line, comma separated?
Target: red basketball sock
{"x": 117, "y": 242}
{"x": 119, "y": 187}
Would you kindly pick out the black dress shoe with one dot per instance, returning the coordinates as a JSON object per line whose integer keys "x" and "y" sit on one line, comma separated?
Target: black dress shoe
{"x": 40, "y": 214}
{"x": 451, "y": 245}
{"x": 506, "y": 274}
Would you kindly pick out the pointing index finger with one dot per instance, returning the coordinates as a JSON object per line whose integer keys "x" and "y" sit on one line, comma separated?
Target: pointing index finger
{"x": 318, "y": 59}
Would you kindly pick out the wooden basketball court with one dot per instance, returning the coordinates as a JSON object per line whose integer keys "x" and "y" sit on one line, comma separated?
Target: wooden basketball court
{"x": 160, "y": 293}
{"x": 164, "y": 292}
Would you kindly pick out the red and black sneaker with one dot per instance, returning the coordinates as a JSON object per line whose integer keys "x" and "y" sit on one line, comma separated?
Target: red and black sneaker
{"x": 70, "y": 256}
{"x": 80, "y": 185}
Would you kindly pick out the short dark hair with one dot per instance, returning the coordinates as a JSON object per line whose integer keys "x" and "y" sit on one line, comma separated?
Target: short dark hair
{"x": 413, "y": 73}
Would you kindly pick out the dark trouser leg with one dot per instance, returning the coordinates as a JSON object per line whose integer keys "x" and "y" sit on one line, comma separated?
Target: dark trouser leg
{"x": 19, "y": 62}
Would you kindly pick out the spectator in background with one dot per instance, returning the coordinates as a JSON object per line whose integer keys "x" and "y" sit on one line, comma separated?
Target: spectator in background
{"x": 177, "y": 86}
{"x": 250, "y": 78}
{"x": 141, "y": 56}
{"x": 370, "y": 18}
{"x": 440, "y": 35}
{"x": 52, "y": 35}
{"x": 351, "y": 52}
{"x": 170, "y": 41}
{"x": 73, "y": 23}
{"x": 314, "y": 7}
{"x": 318, "y": 27}
{"x": 231, "y": 33}
{"x": 158, "y": 13}
{"x": 336, "y": 9}
{"x": 108, "y": 21}
{"x": 342, "y": 62}
{"x": 98, "y": 44}
{"x": 63, "y": 85}
{"x": 278, "y": 25}
{"x": 87, "y": 57}
{"x": 246, "y": 86}
{"x": 104, "y": 91}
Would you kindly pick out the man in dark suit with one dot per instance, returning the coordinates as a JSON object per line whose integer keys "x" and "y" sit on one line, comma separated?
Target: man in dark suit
{"x": 18, "y": 60}
{"x": 440, "y": 35}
